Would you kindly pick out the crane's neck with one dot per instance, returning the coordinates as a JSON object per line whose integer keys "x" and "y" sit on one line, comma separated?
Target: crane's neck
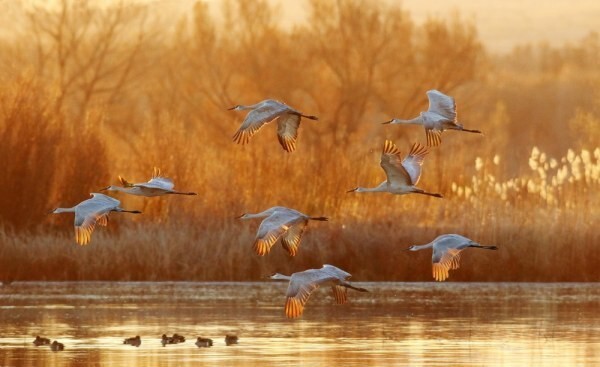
{"x": 415, "y": 121}
{"x": 421, "y": 247}
{"x": 263, "y": 214}
{"x": 382, "y": 187}
{"x": 119, "y": 188}
{"x": 64, "y": 210}
{"x": 278, "y": 276}
{"x": 241, "y": 107}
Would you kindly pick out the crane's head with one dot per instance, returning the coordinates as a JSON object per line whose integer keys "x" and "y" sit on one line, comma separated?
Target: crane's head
{"x": 109, "y": 188}
{"x": 412, "y": 248}
{"x": 243, "y": 216}
{"x": 356, "y": 189}
{"x": 237, "y": 107}
{"x": 58, "y": 211}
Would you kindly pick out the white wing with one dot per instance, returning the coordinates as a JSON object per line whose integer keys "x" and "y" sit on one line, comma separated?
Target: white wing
{"x": 158, "y": 182}
{"x": 287, "y": 130}
{"x": 413, "y": 161}
{"x": 267, "y": 111}
{"x": 273, "y": 227}
{"x": 291, "y": 239}
{"x": 441, "y": 104}
{"x": 300, "y": 288}
{"x": 392, "y": 165}
{"x": 88, "y": 212}
{"x": 335, "y": 271}
{"x": 446, "y": 254}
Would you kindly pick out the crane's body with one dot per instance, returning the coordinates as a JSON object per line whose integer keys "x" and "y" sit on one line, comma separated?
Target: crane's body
{"x": 288, "y": 122}
{"x": 446, "y": 251}
{"x": 402, "y": 174}
{"x": 302, "y": 284}
{"x": 280, "y": 222}
{"x": 158, "y": 185}
{"x": 440, "y": 116}
{"x": 90, "y": 212}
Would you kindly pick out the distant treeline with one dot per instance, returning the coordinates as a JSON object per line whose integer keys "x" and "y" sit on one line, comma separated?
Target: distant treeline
{"x": 87, "y": 94}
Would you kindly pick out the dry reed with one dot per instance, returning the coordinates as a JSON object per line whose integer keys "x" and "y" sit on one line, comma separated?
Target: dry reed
{"x": 160, "y": 101}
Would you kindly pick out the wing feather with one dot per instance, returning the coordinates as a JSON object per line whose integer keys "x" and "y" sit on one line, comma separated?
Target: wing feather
{"x": 256, "y": 118}
{"x": 392, "y": 164}
{"x": 340, "y": 293}
{"x": 444, "y": 261}
{"x": 301, "y": 287}
{"x": 291, "y": 239}
{"x": 434, "y": 137}
{"x": 413, "y": 161}
{"x": 287, "y": 130}
{"x": 271, "y": 228}
{"x": 88, "y": 212}
{"x": 442, "y": 104}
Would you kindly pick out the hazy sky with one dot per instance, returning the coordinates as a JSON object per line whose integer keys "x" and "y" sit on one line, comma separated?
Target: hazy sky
{"x": 501, "y": 23}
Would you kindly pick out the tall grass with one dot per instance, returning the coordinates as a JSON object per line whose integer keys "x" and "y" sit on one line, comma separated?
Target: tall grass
{"x": 159, "y": 99}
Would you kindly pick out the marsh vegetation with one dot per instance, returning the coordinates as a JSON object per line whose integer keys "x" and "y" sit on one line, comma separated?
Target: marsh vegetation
{"x": 89, "y": 93}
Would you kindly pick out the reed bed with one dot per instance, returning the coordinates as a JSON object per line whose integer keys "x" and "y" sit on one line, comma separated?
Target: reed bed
{"x": 529, "y": 186}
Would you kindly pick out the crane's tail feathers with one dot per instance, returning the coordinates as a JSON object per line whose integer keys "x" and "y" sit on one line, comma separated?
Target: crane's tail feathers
{"x": 323, "y": 219}
{"x": 355, "y": 288}
{"x": 429, "y": 194}
{"x": 132, "y": 211}
{"x": 484, "y": 247}
{"x": 124, "y": 182}
{"x": 311, "y": 117}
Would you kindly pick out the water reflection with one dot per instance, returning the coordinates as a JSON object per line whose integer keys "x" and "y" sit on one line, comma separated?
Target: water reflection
{"x": 417, "y": 324}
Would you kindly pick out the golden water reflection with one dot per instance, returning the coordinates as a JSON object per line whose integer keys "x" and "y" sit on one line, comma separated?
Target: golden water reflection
{"x": 416, "y": 324}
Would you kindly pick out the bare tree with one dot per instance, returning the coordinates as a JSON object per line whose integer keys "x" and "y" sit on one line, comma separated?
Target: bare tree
{"x": 86, "y": 52}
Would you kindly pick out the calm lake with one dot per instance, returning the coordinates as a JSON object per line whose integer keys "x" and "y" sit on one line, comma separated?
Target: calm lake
{"x": 404, "y": 324}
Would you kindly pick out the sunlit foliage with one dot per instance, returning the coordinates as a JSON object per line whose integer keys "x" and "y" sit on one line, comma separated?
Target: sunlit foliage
{"x": 88, "y": 93}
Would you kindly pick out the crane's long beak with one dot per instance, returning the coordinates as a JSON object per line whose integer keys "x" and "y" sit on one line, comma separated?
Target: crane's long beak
{"x": 353, "y": 190}
{"x": 239, "y": 216}
{"x": 104, "y": 189}
{"x": 387, "y": 122}
{"x": 232, "y": 108}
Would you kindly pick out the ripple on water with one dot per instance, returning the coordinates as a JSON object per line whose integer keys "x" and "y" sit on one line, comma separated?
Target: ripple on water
{"x": 426, "y": 324}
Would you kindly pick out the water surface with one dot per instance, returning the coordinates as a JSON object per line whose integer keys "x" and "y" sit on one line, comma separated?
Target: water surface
{"x": 416, "y": 324}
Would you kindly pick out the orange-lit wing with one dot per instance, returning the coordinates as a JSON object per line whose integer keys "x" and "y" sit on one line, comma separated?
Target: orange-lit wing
{"x": 256, "y": 119}
{"x": 88, "y": 212}
{"x": 434, "y": 137}
{"x": 270, "y": 230}
{"x": 413, "y": 162}
{"x": 445, "y": 261}
{"x": 291, "y": 239}
{"x": 442, "y": 104}
{"x": 392, "y": 165}
{"x": 287, "y": 130}
{"x": 300, "y": 288}
{"x": 340, "y": 294}
{"x": 102, "y": 220}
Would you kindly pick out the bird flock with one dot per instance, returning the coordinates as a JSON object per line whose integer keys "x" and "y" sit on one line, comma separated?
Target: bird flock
{"x": 136, "y": 341}
{"x": 288, "y": 225}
